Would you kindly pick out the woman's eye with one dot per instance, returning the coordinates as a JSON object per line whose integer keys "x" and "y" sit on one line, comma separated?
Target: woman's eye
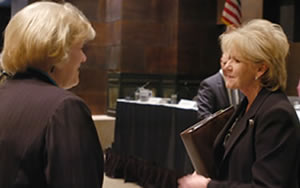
{"x": 236, "y": 60}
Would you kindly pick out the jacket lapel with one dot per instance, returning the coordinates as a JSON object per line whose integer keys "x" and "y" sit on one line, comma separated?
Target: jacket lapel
{"x": 237, "y": 133}
{"x": 218, "y": 144}
{"x": 247, "y": 120}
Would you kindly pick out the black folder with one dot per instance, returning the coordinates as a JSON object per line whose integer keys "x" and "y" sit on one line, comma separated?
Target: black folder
{"x": 199, "y": 138}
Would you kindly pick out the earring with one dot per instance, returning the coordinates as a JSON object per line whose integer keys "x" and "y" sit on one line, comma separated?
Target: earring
{"x": 256, "y": 77}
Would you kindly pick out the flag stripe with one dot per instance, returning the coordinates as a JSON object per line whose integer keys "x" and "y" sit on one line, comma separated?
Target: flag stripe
{"x": 229, "y": 21}
{"x": 235, "y": 5}
{"x": 233, "y": 9}
{"x": 231, "y": 14}
{"x": 232, "y": 18}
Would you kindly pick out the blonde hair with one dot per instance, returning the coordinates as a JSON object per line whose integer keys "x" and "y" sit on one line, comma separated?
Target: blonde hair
{"x": 260, "y": 41}
{"x": 41, "y": 35}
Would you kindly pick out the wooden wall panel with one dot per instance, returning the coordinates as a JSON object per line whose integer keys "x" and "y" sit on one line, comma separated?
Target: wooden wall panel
{"x": 198, "y": 49}
{"x": 297, "y": 21}
{"x": 107, "y": 33}
{"x": 149, "y": 35}
{"x": 293, "y": 69}
{"x": 161, "y": 60}
{"x": 5, "y": 16}
{"x": 143, "y": 33}
{"x": 142, "y": 10}
{"x": 94, "y": 10}
{"x": 93, "y": 77}
{"x": 113, "y": 10}
{"x": 160, "y": 37}
{"x": 113, "y": 58}
{"x": 148, "y": 39}
{"x": 132, "y": 59}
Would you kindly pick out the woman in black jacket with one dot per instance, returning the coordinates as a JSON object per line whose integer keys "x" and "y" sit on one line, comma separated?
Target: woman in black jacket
{"x": 259, "y": 145}
{"x": 47, "y": 136}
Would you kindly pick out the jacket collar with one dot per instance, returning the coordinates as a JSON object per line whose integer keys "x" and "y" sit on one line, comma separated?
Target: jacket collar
{"x": 259, "y": 100}
{"x": 247, "y": 120}
{"x": 35, "y": 73}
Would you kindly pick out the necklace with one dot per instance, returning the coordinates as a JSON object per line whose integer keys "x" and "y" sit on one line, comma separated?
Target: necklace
{"x": 229, "y": 132}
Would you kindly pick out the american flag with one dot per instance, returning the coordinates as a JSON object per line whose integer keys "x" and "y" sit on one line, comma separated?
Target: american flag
{"x": 231, "y": 14}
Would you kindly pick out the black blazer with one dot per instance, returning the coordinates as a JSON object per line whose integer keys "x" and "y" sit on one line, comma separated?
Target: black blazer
{"x": 263, "y": 150}
{"x": 212, "y": 96}
{"x": 47, "y": 136}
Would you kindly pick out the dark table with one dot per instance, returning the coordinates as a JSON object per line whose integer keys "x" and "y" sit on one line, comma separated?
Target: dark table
{"x": 147, "y": 148}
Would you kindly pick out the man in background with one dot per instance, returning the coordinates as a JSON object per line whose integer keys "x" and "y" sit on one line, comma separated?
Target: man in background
{"x": 213, "y": 95}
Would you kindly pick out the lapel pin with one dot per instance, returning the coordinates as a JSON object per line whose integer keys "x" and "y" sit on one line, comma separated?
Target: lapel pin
{"x": 251, "y": 123}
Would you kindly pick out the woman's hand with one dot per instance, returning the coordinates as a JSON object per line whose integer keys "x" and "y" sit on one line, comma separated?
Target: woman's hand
{"x": 193, "y": 181}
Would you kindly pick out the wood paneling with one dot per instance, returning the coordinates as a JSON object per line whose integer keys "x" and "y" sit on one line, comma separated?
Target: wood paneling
{"x": 132, "y": 59}
{"x": 149, "y": 36}
{"x": 293, "y": 69}
{"x": 103, "y": 53}
{"x": 161, "y": 60}
{"x": 153, "y": 37}
{"x": 93, "y": 76}
{"x": 198, "y": 48}
{"x": 5, "y": 16}
{"x": 162, "y": 37}
{"x": 108, "y": 33}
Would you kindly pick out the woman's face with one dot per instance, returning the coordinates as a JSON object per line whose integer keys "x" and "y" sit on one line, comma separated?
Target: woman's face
{"x": 239, "y": 73}
{"x": 66, "y": 75}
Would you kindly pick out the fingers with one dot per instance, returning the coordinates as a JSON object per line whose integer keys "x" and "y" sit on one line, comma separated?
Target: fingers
{"x": 193, "y": 181}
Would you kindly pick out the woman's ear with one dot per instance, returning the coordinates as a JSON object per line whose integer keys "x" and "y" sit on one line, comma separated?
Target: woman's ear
{"x": 262, "y": 68}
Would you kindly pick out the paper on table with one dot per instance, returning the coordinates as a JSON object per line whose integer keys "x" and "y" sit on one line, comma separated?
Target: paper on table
{"x": 184, "y": 103}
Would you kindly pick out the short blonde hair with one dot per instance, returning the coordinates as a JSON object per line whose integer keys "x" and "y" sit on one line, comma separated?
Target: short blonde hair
{"x": 260, "y": 41}
{"x": 41, "y": 35}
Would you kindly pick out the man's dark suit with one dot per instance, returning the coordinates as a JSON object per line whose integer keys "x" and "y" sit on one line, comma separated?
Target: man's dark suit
{"x": 212, "y": 96}
{"x": 263, "y": 149}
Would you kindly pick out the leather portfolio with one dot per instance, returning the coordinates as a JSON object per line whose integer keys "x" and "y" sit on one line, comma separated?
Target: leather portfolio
{"x": 199, "y": 139}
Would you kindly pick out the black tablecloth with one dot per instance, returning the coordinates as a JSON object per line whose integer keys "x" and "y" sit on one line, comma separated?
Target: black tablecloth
{"x": 147, "y": 148}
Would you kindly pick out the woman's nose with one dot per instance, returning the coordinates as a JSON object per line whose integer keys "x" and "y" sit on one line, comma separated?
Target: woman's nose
{"x": 228, "y": 65}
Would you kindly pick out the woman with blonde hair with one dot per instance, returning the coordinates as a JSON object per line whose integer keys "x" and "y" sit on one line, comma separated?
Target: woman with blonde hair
{"x": 259, "y": 145}
{"x": 47, "y": 136}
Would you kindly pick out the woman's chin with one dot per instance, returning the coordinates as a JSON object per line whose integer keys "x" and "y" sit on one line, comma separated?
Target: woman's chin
{"x": 70, "y": 85}
{"x": 228, "y": 85}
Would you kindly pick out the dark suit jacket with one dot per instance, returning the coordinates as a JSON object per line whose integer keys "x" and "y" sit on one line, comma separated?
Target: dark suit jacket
{"x": 47, "y": 136}
{"x": 212, "y": 96}
{"x": 263, "y": 150}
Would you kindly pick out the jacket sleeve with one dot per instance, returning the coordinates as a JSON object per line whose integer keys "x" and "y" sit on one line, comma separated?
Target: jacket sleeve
{"x": 72, "y": 149}
{"x": 205, "y": 100}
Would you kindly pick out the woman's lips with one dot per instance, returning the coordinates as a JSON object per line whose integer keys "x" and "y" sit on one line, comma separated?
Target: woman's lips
{"x": 228, "y": 76}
